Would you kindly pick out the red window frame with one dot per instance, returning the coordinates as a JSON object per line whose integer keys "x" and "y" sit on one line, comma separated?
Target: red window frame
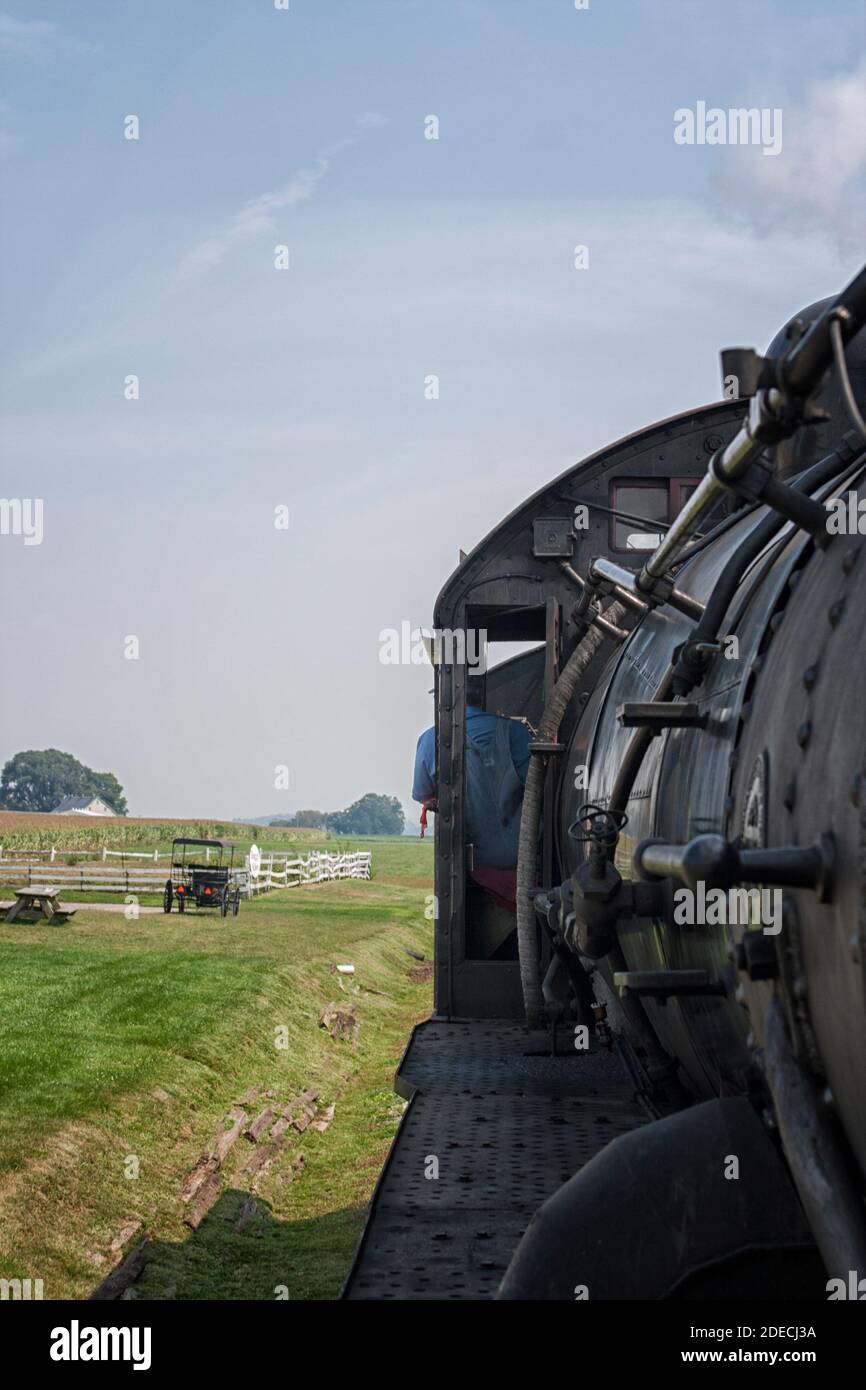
{"x": 675, "y": 490}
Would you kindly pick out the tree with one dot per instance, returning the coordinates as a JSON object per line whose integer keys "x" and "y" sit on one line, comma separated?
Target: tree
{"x": 373, "y": 814}
{"x": 106, "y": 785}
{"x": 38, "y": 779}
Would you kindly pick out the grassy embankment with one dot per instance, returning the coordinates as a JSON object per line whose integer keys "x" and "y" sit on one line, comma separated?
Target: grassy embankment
{"x": 130, "y": 1040}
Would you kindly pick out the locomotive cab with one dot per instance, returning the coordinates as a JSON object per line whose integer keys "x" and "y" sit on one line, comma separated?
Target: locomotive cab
{"x": 518, "y": 586}
{"x": 695, "y": 683}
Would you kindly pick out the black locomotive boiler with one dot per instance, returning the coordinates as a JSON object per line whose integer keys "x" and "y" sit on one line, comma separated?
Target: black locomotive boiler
{"x": 649, "y": 1083}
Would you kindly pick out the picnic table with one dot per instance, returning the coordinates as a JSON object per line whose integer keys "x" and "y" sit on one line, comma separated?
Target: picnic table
{"x": 41, "y": 900}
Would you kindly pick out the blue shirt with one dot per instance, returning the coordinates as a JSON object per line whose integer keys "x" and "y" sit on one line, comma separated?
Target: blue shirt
{"x": 479, "y": 729}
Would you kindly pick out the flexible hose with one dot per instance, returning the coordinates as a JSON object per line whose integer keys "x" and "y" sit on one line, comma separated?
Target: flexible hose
{"x": 527, "y": 853}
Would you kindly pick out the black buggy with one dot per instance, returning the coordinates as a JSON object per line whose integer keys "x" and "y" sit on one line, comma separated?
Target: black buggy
{"x": 209, "y": 884}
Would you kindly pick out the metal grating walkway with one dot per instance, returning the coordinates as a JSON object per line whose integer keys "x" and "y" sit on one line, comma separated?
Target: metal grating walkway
{"x": 508, "y": 1124}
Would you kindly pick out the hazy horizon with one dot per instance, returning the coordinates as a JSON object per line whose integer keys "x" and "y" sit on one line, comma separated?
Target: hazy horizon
{"x": 261, "y": 388}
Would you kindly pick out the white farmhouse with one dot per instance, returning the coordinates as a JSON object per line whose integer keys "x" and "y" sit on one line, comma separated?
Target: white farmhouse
{"x": 83, "y": 806}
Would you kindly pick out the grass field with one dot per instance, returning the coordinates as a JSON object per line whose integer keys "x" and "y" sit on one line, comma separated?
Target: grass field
{"x": 124, "y": 1044}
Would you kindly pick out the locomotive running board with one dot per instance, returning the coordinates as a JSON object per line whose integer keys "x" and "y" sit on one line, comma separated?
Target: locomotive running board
{"x": 503, "y": 1124}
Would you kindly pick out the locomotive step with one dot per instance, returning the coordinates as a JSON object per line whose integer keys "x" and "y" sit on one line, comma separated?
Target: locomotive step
{"x": 660, "y": 984}
{"x": 661, "y": 714}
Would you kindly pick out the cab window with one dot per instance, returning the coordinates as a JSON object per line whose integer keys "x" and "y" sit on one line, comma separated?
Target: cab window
{"x": 645, "y": 508}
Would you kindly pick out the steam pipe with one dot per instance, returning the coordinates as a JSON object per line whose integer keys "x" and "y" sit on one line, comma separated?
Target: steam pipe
{"x": 608, "y": 572}
{"x": 595, "y": 616}
{"x": 768, "y": 419}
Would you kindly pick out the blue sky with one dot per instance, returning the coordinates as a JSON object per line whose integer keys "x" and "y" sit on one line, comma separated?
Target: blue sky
{"x": 305, "y": 387}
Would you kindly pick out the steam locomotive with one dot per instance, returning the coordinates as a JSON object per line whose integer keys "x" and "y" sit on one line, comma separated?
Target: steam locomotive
{"x": 649, "y": 1083}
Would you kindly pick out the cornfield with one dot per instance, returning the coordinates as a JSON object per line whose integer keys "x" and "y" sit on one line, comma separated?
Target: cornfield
{"x": 27, "y": 830}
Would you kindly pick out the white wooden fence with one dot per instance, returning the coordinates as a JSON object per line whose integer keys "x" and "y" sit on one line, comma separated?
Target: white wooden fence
{"x": 275, "y": 871}
{"x": 16, "y": 856}
{"x": 50, "y": 856}
{"x": 283, "y": 871}
{"x": 134, "y": 854}
{"x": 85, "y": 878}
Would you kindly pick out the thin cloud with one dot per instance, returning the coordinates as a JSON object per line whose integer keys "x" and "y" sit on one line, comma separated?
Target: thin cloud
{"x": 257, "y": 216}
{"x": 818, "y": 181}
{"x": 37, "y": 38}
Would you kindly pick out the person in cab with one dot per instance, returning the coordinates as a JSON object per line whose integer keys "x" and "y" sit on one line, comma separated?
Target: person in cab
{"x": 497, "y": 761}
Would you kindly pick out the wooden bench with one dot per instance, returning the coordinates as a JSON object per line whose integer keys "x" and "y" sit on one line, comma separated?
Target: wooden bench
{"x": 41, "y": 900}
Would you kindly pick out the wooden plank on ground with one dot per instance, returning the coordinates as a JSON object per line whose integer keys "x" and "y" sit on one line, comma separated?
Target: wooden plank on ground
{"x": 204, "y": 1169}
{"x": 301, "y": 1110}
{"x": 323, "y": 1120}
{"x": 263, "y": 1158}
{"x": 124, "y": 1235}
{"x": 207, "y": 1195}
{"x": 224, "y": 1140}
{"x": 119, "y": 1280}
{"x": 259, "y": 1125}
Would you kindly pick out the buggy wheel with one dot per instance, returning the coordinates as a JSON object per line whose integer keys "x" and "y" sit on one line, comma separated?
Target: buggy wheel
{"x": 168, "y": 895}
{"x": 236, "y": 902}
{"x": 224, "y": 902}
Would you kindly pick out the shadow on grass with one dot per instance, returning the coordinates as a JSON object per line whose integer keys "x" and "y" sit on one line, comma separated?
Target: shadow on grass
{"x": 241, "y": 1252}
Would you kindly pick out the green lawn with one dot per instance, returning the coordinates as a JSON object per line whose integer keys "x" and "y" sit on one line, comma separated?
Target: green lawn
{"x": 123, "y": 1044}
